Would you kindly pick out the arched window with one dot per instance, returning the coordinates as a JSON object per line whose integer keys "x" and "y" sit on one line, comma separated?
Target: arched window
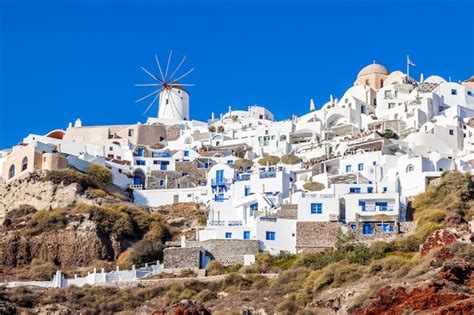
{"x": 24, "y": 164}
{"x": 11, "y": 171}
{"x": 410, "y": 168}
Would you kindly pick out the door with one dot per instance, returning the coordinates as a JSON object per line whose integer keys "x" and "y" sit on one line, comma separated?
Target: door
{"x": 246, "y": 235}
{"x": 137, "y": 180}
{"x": 219, "y": 176}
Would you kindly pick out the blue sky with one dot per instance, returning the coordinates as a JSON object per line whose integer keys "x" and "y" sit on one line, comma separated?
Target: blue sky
{"x": 60, "y": 60}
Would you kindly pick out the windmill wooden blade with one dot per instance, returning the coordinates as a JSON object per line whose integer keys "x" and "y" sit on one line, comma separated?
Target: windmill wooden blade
{"x": 192, "y": 69}
{"x": 151, "y": 104}
{"x": 168, "y": 65}
{"x": 159, "y": 67}
{"x": 177, "y": 68}
{"x": 147, "y": 96}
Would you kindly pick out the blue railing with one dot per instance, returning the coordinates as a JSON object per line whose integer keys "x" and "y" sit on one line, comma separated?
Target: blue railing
{"x": 270, "y": 174}
{"x": 161, "y": 154}
{"x": 242, "y": 177}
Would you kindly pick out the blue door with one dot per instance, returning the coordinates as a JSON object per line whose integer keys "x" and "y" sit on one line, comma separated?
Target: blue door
{"x": 140, "y": 152}
{"x": 137, "y": 180}
{"x": 247, "y": 190}
{"x": 219, "y": 176}
{"x": 246, "y": 235}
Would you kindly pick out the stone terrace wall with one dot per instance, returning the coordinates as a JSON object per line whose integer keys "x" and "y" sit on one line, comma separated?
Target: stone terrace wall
{"x": 316, "y": 236}
{"x": 229, "y": 252}
{"x": 182, "y": 257}
{"x": 406, "y": 227}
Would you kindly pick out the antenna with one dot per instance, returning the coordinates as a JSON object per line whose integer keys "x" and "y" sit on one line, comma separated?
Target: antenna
{"x": 163, "y": 83}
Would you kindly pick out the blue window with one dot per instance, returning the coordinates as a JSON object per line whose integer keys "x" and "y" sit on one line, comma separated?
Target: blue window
{"x": 246, "y": 235}
{"x": 382, "y": 205}
{"x": 367, "y": 228}
{"x": 246, "y": 190}
{"x": 164, "y": 165}
{"x": 140, "y": 162}
{"x": 370, "y": 190}
{"x": 354, "y": 190}
{"x": 140, "y": 151}
{"x": 362, "y": 205}
{"x": 228, "y": 234}
{"x": 162, "y": 182}
{"x": 137, "y": 180}
{"x": 353, "y": 227}
{"x": 316, "y": 208}
{"x": 385, "y": 189}
{"x": 219, "y": 176}
{"x": 385, "y": 227}
{"x": 254, "y": 207}
{"x": 230, "y": 162}
{"x": 348, "y": 168}
{"x": 360, "y": 166}
{"x": 374, "y": 163}
{"x": 270, "y": 236}
{"x": 186, "y": 153}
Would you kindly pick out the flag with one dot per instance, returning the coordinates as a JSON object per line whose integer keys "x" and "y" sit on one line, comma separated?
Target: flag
{"x": 409, "y": 62}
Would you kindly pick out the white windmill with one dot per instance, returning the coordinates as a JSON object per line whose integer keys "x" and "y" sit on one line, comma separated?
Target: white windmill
{"x": 173, "y": 98}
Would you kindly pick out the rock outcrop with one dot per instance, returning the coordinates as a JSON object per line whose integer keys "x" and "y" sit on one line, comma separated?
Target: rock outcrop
{"x": 78, "y": 244}
{"x": 32, "y": 190}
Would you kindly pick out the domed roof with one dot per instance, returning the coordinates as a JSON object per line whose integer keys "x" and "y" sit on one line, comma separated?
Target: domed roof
{"x": 373, "y": 68}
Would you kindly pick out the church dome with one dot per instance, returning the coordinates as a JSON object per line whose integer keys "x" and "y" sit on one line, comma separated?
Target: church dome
{"x": 373, "y": 68}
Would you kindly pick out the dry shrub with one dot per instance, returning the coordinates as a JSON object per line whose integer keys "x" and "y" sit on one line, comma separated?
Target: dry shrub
{"x": 147, "y": 251}
{"x": 313, "y": 186}
{"x": 290, "y": 280}
{"x": 41, "y": 270}
{"x": 99, "y": 174}
{"x": 93, "y": 193}
{"x": 269, "y": 160}
{"x": 334, "y": 275}
{"x": 290, "y": 159}
{"x": 205, "y": 295}
{"x": 44, "y": 220}
{"x": 388, "y": 265}
{"x": 21, "y": 211}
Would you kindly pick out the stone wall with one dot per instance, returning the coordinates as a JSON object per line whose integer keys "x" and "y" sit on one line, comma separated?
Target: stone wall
{"x": 228, "y": 252}
{"x": 175, "y": 179}
{"x": 316, "y": 236}
{"x": 182, "y": 257}
{"x": 406, "y": 227}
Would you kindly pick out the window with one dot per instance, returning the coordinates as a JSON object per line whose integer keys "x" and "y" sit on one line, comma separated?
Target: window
{"x": 387, "y": 94}
{"x": 162, "y": 182}
{"x": 254, "y": 207}
{"x": 362, "y": 205}
{"x": 11, "y": 171}
{"x": 451, "y": 132}
{"x": 140, "y": 162}
{"x": 367, "y": 228}
{"x": 155, "y": 162}
{"x": 316, "y": 208}
{"x": 370, "y": 190}
{"x": 385, "y": 189}
{"x": 246, "y": 235}
{"x": 130, "y": 132}
{"x": 120, "y": 170}
{"x": 362, "y": 109}
{"x": 230, "y": 162}
{"x": 354, "y": 190}
{"x": 454, "y": 92}
{"x": 219, "y": 176}
{"x": 111, "y": 148}
{"x": 360, "y": 166}
{"x": 164, "y": 165}
{"x": 410, "y": 168}
{"x": 228, "y": 234}
{"x": 246, "y": 190}
{"x": 391, "y": 105}
{"x": 270, "y": 236}
{"x": 353, "y": 227}
{"x": 186, "y": 153}
{"x": 385, "y": 227}
{"x": 24, "y": 164}
{"x": 348, "y": 168}
{"x": 140, "y": 152}
{"x": 382, "y": 205}
{"x": 381, "y": 83}
{"x": 470, "y": 93}
{"x": 282, "y": 138}
{"x": 374, "y": 163}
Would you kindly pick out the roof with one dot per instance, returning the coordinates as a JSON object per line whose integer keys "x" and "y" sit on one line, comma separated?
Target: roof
{"x": 373, "y": 68}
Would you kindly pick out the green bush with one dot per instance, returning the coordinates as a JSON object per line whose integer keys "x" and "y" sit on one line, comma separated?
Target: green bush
{"x": 41, "y": 270}
{"x": 99, "y": 174}
{"x": 212, "y": 129}
{"x": 112, "y": 220}
{"x": 269, "y": 160}
{"x": 44, "y": 220}
{"x": 290, "y": 159}
{"x": 389, "y": 134}
{"x": 147, "y": 251}
{"x": 313, "y": 186}
{"x": 205, "y": 295}
{"x": 291, "y": 280}
{"x": 379, "y": 248}
{"x": 360, "y": 254}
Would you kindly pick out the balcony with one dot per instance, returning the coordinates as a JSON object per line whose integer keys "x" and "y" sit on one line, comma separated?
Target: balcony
{"x": 225, "y": 223}
{"x": 221, "y": 182}
{"x": 269, "y": 174}
{"x": 242, "y": 177}
{"x": 376, "y": 208}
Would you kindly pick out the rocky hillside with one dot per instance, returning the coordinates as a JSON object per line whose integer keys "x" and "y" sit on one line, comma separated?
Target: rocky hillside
{"x": 429, "y": 271}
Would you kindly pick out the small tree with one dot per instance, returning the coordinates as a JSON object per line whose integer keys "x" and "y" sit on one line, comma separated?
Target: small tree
{"x": 220, "y": 129}
{"x": 212, "y": 129}
{"x": 269, "y": 160}
{"x": 290, "y": 159}
{"x": 313, "y": 186}
{"x": 389, "y": 134}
